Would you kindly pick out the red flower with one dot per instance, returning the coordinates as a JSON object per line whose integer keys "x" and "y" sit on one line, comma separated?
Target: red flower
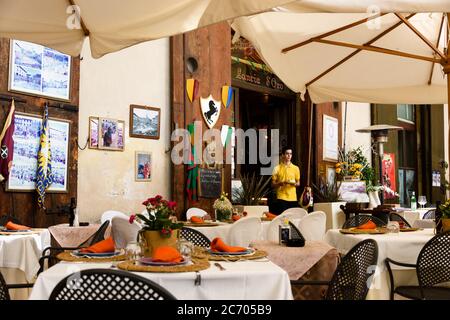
{"x": 158, "y": 198}
{"x": 132, "y": 217}
{"x": 172, "y": 205}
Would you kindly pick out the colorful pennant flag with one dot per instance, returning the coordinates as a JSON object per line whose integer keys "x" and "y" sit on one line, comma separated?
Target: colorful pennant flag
{"x": 191, "y": 184}
{"x": 7, "y": 144}
{"x": 227, "y": 95}
{"x": 192, "y": 88}
{"x": 44, "y": 176}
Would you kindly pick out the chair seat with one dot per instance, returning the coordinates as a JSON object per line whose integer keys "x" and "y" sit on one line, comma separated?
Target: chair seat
{"x": 430, "y": 293}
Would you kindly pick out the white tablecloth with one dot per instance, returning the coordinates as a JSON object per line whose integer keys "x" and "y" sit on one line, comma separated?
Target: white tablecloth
{"x": 243, "y": 280}
{"x": 19, "y": 258}
{"x": 412, "y": 215}
{"x": 403, "y": 247}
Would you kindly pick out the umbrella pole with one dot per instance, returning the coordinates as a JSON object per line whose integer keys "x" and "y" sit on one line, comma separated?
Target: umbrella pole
{"x": 447, "y": 71}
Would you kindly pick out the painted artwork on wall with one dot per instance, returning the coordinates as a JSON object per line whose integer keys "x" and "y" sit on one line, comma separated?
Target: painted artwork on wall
{"x": 210, "y": 110}
{"x": 26, "y": 144}
{"x": 111, "y": 134}
{"x": 93, "y": 132}
{"x": 330, "y": 138}
{"x": 143, "y": 168}
{"x": 144, "y": 122}
{"x": 389, "y": 176}
{"x": 39, "y": 70}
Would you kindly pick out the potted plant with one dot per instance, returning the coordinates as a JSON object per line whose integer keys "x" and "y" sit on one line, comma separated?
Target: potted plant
{"x": 223, "y": 208}
{"x": 249, "y": 196}
{"x": 160, "y": 226}
{"x": 354, "y": 166}
{"x": 445, "y": 215}
{"x": 327, "y": 199}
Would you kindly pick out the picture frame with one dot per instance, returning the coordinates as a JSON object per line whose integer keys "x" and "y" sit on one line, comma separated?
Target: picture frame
{"x": 145, "y": 122}
{"x": 330, "y": 138}
{"x": 111, "y": 134}
{"x": 38, "y": 70}
{"x": 331, "y": 174}
{"x": 93, "y": 133}
{"x": 26, "y": 137}
{"x": 143, "y": 166}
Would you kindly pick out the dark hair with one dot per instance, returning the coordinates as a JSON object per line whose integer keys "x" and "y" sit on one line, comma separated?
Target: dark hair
{"x": 283, "y": 151}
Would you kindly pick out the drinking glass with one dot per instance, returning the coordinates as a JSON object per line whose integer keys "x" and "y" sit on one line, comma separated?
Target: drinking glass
{"x": 133, "y": 251}
{"x": 185, "y": 248}
{"x": 422, "y": 200}
{"x": 393, "y": 227}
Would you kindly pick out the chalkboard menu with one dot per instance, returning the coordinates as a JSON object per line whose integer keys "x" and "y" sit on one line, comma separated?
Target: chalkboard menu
{"x": 211, "y": 181}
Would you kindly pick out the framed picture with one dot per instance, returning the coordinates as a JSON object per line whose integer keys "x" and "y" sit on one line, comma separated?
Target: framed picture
{"x": 331, "y": 174}
{"x": 38, "y": 70}
{"x": 93, "y": 132}
{"x": 330, "y": 138}
{"x": 26, "y": 145}
{"x": 111, "y": 134}
{"x": 144, "y": 122}
{"x": 143, "y": 168}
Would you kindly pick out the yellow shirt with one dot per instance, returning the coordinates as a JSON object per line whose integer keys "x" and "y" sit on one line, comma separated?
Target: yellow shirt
{"x": 286, "y": 173}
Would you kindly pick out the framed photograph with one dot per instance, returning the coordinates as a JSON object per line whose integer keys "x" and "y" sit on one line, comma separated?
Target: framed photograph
{"x": 331, "y": 174}
{"x": 145, "y": 122}
{"x": 26, "y": 145}
{"x": 111, "y": 134}
{"x": 93, "y": 132}
{"x": 143, "y": 167}
{"x": 38, "y": 70}
{"x": 330, "y": 138}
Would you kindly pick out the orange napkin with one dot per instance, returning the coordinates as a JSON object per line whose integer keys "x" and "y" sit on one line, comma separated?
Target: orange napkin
{"x": 368, "y": 225}
{"x": 270, "y": 216}
{"x": 106, "y": 245}
{"x": 166, "y": 254}
{"x": 13, "y": 226}
{"x": 235, "y": 217}
{"x": 217, "y": 245}
{"x": 196, "y": 219}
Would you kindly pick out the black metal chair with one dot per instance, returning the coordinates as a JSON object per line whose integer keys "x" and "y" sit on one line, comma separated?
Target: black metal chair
{"x": 360, "y": 219}
{"x": 396, "y": 217}
{"x": 4, "y": 220}
{"x": 4, "y": 292}
{"x": 351, "y": 280}
{"x": 432, "y": 267}
{"x": 107, "y": 284}
{"x": 430, "y": 214}
{"x": 195, "y": 236}
{"x": 50, "y": 253}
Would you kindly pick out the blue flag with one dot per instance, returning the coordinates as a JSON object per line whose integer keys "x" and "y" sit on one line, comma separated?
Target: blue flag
{"x": 44, "y": 176}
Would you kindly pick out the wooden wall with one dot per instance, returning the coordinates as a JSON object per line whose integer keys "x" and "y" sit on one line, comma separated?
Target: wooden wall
{"x": 211, "y": 47}
{"x": 23, "y": 205}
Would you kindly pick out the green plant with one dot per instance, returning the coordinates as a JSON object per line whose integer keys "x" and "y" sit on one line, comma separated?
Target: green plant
{"x": 326, "y": 191}
{"x": 445, "y": 210}
{"x": 253, "y": 189}
{"x": 445, "y": 184}
{"x": 354, "y": 163}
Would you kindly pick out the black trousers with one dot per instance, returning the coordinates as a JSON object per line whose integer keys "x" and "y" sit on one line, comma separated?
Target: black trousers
{"x": 281, "y": 205}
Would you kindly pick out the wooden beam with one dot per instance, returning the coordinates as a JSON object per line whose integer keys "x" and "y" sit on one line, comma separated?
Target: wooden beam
{"x": 357, "y": 51}
{"x": 380, "y": 50}
{"x": 437, "y": 45}
{"x": 83, "y": 26}
{"x": 421, "y": 36}
{"x": 329, "y": 33}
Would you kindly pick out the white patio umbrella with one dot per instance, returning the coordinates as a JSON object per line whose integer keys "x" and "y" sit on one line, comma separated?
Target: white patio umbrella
{"x": 112, "y": 25}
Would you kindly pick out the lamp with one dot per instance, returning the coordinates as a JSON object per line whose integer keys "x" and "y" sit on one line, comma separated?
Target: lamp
{"x": 379, "y": 135}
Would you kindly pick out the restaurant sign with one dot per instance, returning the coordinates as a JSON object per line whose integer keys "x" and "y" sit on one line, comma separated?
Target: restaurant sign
{"x": 257, "y": 77}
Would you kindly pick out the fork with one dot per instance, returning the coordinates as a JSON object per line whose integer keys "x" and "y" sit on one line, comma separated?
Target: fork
{"x": 218, "y": 265}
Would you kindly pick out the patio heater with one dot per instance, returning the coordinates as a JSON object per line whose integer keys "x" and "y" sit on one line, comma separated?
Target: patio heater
{"x": 379, "y": 135}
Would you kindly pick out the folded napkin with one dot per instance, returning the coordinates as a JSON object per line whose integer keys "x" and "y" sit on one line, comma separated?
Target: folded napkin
{"x": 235, "y": 217}
{"x": 270, "y": 216}
{"x": 368, "y": 225}
{"x": 196, "y": 219}
{"x": 13, "y": 226}
{"x": 166, "y": 254}
{"x": 217, "y": 245}
{"x": 106, "y": 245}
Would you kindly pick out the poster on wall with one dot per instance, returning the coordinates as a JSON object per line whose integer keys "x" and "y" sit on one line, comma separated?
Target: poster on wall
{"x": 39, "y": 70}
{"x": 330, "y": 138}
{"x": 436, "y": 178}
{"x": 26, "y": 145}
{"x": 389, "y": 174}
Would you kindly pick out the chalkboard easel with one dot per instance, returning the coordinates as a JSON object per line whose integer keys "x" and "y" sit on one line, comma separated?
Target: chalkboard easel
{"x": 211, "y": 182}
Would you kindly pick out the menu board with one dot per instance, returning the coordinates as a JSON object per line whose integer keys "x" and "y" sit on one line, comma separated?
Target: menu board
{"x": 211, "y": 182}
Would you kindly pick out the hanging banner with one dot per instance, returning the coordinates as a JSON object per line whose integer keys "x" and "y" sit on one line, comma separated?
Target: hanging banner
{"x": 227, "y": 95}
{"x": 191, "y": 89}
{"x": 389, "y": 173}
{"x": 210, "y": 110}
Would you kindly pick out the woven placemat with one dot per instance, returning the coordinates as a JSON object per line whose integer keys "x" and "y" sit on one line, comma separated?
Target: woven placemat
{"x": 197, "y": 265}
{"x": 378, "y": 230}
{"x": 32, "y": 231}
{"x": 204, "y": 254}
{"x": 67, "y": 256}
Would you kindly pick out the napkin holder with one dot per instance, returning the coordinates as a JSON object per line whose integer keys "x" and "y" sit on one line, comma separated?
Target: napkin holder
{"x": 296, "y": 239}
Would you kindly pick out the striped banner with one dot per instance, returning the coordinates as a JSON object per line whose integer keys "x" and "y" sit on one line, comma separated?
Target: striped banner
{"x": 44, "y": 176}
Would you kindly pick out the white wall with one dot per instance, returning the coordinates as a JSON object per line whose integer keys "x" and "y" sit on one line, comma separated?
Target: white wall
{"x": 358, "y": 116}
{"x": 136, "y": 75}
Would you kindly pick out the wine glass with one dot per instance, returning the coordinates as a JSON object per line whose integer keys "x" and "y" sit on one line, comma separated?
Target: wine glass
{"x": 185, "y": 248}
{"x": 422, "y": 200}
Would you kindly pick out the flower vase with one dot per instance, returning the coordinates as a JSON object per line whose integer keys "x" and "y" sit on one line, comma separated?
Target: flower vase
{"x": 152, "y": 239}
{"x": 374, "y": 199}
{"x": 223, "y": 215}
{"x": 445, "y": 224}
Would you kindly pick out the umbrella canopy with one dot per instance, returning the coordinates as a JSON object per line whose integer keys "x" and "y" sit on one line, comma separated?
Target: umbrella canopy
{"x": 114, "y": 24}
{"x": 351, "y": 54}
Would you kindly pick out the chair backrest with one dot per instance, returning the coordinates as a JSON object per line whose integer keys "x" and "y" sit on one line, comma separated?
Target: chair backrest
{"x": 4, "y": 220}
{"x": 430, "y": 214}
{"x": 396, "y": 217}
{"x": 108, "y": 215}
{"x": 123, "y": 232}
{"x": 4, "y": 293}
{"x": 295, "y": 213}
{"x": 424, "y": 224}
{"x": 433, "y": 262}
{"x": 107, "y": 284}
{"x": 256, "y": 211}
{"x": 195, "y": 212}
{"x": 244, "y": 231}
{"x": 292, "y": 215}
{"x": 195, "y": 236}
{"x": 352, "y": 278}
{"x": 313, "y": 226}
{"x": 99, "y": 235}
{"x": 360, "y": 219}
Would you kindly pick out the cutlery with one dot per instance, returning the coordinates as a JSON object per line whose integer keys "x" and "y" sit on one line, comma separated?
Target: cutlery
{"x": 218, "y": 265}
